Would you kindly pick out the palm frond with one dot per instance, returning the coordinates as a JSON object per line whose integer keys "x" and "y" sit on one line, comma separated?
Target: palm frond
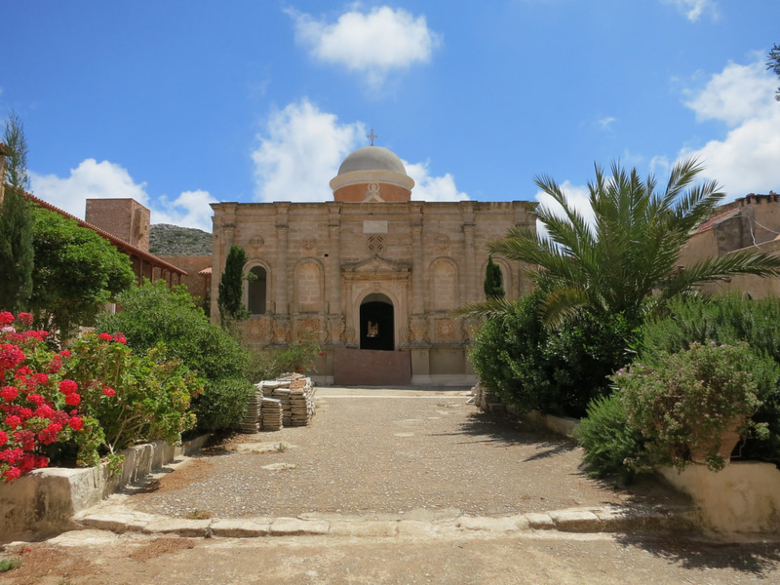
{"x": 489, "y": 309}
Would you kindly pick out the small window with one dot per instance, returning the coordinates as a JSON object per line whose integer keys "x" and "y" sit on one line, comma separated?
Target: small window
{"x": 257, "y": 288}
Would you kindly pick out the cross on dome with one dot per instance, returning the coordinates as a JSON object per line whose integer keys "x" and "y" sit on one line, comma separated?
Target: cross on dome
{"x": 372, "y": 136}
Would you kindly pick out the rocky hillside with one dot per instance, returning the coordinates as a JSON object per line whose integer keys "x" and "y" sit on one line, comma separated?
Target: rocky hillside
{"x": 172, "y": 240}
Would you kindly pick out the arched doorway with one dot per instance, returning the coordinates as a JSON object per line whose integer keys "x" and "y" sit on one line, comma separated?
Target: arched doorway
{"x": 377, "y": 323}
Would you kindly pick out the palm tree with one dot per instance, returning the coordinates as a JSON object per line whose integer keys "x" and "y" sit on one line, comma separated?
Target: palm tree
{"x": 627, "y": 253}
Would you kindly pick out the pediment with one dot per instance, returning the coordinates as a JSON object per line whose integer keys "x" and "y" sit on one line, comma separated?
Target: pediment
{"x": 375, "y": 266}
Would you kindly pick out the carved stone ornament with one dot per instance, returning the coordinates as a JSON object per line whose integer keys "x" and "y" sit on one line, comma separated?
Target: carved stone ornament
{"x": 372, "y": 194}
{"x": 256, "y": 242}
{"x": 336, "y": 328}
{"x": 309, "y": 242}
{"x": 281, "y": 330}
{"x": 418, "y": 329}
{"x": 376, "y": 244}
{"x": 442, "y": 243}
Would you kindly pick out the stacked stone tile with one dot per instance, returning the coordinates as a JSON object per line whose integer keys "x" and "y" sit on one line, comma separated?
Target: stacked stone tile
{"x": 271, "y": 414}
{"x": 301, "y": 402}
{"x": 251, "y": 423}
{"x": 286, "y": 402}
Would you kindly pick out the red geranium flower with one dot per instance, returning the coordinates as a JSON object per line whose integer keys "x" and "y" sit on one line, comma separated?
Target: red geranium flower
{"x": 105, "y": 336}
{"x": 120, "y": 338}
{"x": 3, "y": 438}
{"x": 36, "y": 398}
{"x": 12, "y": 474}
{"x": 9, "y": 393}
{"x": 73, "y": 399}
{"x": 6, "y": 318}
{"x": 25, "y": 318}
{"x": 68, "y": 387}
{"x": 12, "y": 421}
{"x": 108, "y": 391}
{"x": 75, "y": 423}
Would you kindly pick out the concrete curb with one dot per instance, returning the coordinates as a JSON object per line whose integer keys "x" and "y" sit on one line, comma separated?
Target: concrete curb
{"x": 610, "y": 519}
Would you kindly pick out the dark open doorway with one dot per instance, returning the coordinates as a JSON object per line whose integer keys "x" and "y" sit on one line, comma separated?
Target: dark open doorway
{"x": 377, "y": 323}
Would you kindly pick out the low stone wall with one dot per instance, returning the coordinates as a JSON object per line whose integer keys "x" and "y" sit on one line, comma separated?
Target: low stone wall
{"x": 486, "y": 401}
{"x": 44, "y": 501}
{"x": 744, "y": 497}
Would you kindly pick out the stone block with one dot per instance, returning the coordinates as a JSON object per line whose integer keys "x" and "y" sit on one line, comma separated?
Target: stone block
{"x": 297, "y": 527}
{"x": 239, "y": 528}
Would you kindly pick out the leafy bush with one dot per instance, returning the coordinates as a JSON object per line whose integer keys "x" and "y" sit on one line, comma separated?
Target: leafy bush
{"x": 152, "y": 314}
{"x": 556, "y": 371}
{"x": 686, "y": 402}
{"x": 92, "y": 400}
{"x": 267, "y": 364}
{"x": 76, "y": 273}
{"x": 153, "y": 393}
{"x": 725, "y": 319}
{"x": 608, "y": 439}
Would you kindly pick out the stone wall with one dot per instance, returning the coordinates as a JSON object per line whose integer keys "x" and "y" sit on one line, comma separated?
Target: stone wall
{"x": 44, "y": 501}
{"x": 196, "y": 283}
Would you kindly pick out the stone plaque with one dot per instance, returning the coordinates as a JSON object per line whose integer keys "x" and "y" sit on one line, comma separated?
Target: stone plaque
{"x": 375, "y": 226}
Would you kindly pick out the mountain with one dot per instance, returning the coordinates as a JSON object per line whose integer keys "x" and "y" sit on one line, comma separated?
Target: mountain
{"x": 172, "y": 240}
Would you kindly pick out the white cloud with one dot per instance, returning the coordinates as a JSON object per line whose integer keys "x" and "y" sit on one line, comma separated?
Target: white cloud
{"x": 190, "y": 209}
{"x": 605, "y": 123}
{"x": 107, "y": 180}
{"x": 428, "y": 188}
{"x": 374, "y": 43}
{"x": 735, "y": 95}
{"x": 301, "y": 151}
{"x": 578, "y": 198}
{"x": 90, "y": 180}
{"x": 746, "y": 159}
{"x": 694, "y": 9}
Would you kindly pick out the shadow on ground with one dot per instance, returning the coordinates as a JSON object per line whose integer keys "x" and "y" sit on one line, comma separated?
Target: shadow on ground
{"x": 754, "y": 558}
{"x": 505, "y": 431}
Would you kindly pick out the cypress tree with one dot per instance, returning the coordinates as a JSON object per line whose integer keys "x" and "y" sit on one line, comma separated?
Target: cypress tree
{"x": 231, "y": 287}
{"x": 16, "y": 251}
{"x": 494, "y": 280}
{"x": 16, "y": 223}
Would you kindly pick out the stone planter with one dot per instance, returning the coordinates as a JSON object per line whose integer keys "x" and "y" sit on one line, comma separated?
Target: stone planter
{"x": 44, "y": 501}
{"x": 742, "y": 498}
{"x": 723, "y": 445}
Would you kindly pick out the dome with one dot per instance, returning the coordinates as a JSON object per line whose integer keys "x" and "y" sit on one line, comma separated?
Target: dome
{"x": 372, "y": 158}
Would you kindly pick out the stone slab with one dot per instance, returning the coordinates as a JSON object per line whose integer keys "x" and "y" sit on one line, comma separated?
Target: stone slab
{"x": 240, "y": 528}
{"x": 540, "y": 521}
{"x": 297, "y": 527}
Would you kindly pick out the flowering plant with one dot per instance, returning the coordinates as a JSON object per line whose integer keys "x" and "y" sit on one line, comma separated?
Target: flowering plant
{"x": 685, "y": 404}
{"x": 38, "y": 405}
{"x": 98, "y": 396}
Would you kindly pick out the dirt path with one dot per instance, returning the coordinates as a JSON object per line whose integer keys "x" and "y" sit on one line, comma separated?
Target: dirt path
{"x": 383, "y": 453}
{"x": 97, "y": 558}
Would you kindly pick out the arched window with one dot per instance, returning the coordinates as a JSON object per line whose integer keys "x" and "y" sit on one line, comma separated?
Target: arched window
{"x": 257, "y": 291}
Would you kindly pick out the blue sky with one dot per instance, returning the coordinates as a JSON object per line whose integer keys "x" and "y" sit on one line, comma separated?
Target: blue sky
{"x": 181, "y": 103}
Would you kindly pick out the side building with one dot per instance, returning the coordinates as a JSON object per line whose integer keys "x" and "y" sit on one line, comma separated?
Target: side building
{"x": 372, "y": 275}
{"x": 749, "y": 223}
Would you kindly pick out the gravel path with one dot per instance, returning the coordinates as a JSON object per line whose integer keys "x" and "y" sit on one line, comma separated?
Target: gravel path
{"x": 383, "y": 453}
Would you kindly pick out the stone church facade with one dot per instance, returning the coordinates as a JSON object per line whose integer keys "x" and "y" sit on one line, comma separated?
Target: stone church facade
{"x": 372, "y": 274}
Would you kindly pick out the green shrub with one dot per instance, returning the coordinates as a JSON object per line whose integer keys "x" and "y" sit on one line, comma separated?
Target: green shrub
{"x": 152, "y": 314}
{"x": 269, "y": 363}
{"x": 153, "y": 393}
{"x": 685, "y": 403}
{"x": 557, "y": 371}
{"x": 609, "y": 441}
{"x": 725, "y": 319}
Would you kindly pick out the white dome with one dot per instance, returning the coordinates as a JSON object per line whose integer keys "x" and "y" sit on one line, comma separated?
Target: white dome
{"x": 372, "y": 158}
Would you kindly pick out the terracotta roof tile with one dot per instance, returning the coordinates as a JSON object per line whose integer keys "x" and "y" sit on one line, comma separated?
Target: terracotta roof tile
{"x": 128, "y": 249}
